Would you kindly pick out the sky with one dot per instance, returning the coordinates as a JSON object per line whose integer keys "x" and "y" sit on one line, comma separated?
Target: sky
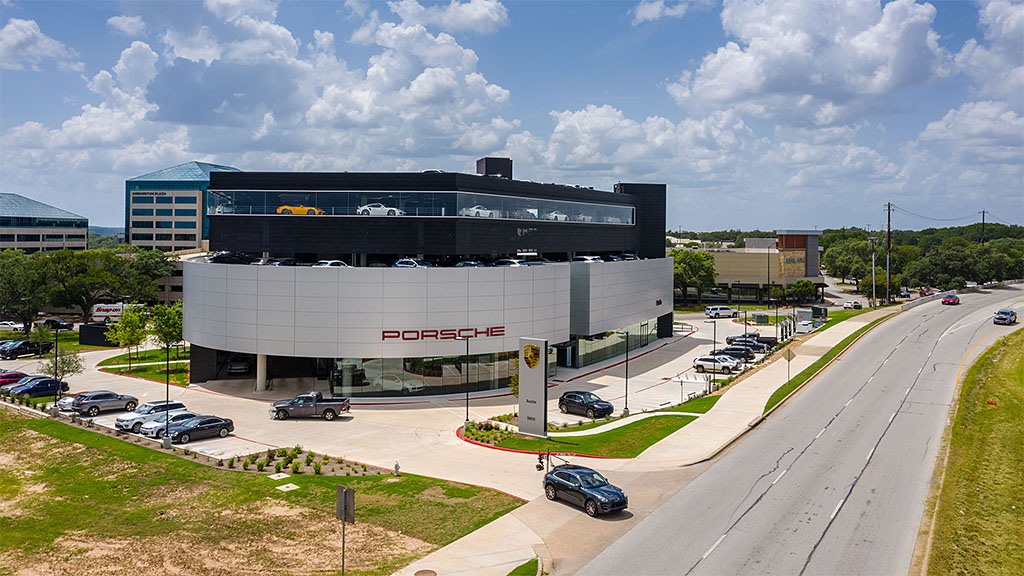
{"x": 769, "y": 114}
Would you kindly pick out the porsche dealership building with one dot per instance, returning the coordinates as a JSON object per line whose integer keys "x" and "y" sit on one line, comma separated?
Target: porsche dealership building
{"x": 367, "y": 328}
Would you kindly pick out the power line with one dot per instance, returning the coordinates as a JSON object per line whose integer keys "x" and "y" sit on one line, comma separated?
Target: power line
{"x": 908, "y": 212}
{"x": 1000, "y": 220}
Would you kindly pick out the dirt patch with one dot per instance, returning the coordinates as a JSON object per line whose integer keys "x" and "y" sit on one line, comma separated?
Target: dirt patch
{"x": 305, "y": 543}
{"x": 10, "y": 507}
{"x": 437, "y": 494}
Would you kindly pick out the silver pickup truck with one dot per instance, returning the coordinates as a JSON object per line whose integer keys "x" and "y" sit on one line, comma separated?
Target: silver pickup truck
{"x": 312, "y": 405}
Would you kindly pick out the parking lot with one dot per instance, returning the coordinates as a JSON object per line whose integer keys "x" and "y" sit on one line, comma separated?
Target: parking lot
{"x": 420, "y": 434}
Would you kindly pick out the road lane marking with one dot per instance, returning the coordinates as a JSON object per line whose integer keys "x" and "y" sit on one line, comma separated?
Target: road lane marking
{"x": 893, "y": 417}
{"x": 847, "y": 402}
{"x": 780, "y": 477}
{"x": 870, "y": 379}
{"x": 715, "y": 545}
{"x": 820, "y": 433}
{"x": 908, "y": 391}
{"x": 870, "y": 453}
{"x": 836, "y": 511}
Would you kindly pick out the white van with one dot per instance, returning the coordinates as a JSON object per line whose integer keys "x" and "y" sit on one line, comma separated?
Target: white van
{"x": 720, "y": 311}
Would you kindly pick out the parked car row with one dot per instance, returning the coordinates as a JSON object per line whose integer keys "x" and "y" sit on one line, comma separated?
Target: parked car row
{"x": 151, "y": 419}
{"x": 17, "y": 384}
{"x": 243, "y": 258}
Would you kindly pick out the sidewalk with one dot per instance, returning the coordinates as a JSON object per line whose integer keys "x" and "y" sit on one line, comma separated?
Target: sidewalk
{"x": 496, "y": 548}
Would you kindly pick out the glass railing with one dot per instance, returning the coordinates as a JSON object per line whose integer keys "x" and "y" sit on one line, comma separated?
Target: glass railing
{"x": 430, "y": 204}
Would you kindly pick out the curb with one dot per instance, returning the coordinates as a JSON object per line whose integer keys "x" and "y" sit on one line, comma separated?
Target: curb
{"x": 753, "y": 423}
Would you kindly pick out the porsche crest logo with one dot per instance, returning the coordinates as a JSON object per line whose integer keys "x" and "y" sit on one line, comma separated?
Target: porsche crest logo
{"x": 531, "y": 354}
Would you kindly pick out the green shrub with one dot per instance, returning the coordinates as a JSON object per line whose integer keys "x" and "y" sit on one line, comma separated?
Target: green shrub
{"x": 277, "y": 466}
{"x": 260, "y": 465}
{"x": 309, "y": 459}
{"x": 245, "y": 464}
{"x": 296, "y": 467}
{"x": 316, "y": 468}
{"x": 231, "y": 462}
{"x": 282, "y": 452}
{"x": 297, "y": 450}
{"x": 326, "y": 458}
{"x": 220, "y": 462}
{"x": 270, "y": 454}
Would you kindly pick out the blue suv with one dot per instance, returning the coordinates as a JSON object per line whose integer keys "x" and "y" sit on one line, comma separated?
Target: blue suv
{"x": 585, "y": 487}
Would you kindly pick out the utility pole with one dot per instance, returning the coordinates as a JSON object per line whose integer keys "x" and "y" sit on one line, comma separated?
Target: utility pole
{"x": 888, "y": 248}
{"x": 983, "y": 226}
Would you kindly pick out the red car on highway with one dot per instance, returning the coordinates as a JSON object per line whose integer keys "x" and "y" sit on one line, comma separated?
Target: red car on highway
{"x": 951, "y": 299}
{"x": 927, "y": 292}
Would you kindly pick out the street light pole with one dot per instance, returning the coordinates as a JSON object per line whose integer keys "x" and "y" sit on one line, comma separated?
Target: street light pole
{"x": 465, "y": 374}
{"x": 56, "y": 366}
{"x": 625, "y": 411}
{"x": 714, "y": 333}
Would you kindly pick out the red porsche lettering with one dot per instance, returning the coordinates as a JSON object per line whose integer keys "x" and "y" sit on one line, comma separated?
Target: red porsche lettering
{"x": 445, "y": 334}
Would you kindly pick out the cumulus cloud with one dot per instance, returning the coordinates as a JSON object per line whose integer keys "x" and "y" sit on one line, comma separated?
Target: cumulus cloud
{"x": 233, "y": 9}
{"x": 127, "y": 25}
{"x": 199, "y": 47}
{"x": 136, "y": 67}
{"x": 812, "y": 62}
{"x": 480, "y": 16}
{"x": 23, "y": 45}
{"x": 997, "y": 65}
{"x": 651, "y": 10}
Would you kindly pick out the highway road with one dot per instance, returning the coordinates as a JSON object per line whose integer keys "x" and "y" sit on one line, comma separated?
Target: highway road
{"x": 835, "y": 481}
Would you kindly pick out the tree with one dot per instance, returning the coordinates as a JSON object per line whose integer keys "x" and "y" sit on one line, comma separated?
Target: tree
{"x": 85, "y": 278}
{"x": 64, "y": 365}
{"x": 801, "y": 290}
{"x": 129, "y": 331}
{"x": 165, "y": 327}
{"x": 693, "y": 268}
{"x": 40, "y": 333}
{"x": 22, "y": 290}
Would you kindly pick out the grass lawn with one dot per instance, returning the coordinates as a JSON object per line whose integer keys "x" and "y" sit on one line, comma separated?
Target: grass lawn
{"x": 527, "y": 569}
{"x": 802, "y": 377}
{"x": 978, "y": 529}
{"x": 625, "y": 442}
{"x": 146, "y": 356}
{"x": 179, "y": 372}
{"x": 67, "y": 341}
{"x": 71, "y": 496}
{"x": 701, "y": 405}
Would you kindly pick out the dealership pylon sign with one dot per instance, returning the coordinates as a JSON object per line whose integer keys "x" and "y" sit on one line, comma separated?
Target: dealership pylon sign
{"x": 533, "y": 387}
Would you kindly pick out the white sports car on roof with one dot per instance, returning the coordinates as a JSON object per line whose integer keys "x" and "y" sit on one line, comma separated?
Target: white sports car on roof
{"x": 378, "y": 209}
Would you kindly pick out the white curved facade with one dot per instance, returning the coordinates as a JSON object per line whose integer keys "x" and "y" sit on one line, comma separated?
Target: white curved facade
{"x": 374, "y": 312}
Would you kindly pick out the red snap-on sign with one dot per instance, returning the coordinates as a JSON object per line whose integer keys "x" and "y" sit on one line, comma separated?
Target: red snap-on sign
{"x": 446, "y": 334}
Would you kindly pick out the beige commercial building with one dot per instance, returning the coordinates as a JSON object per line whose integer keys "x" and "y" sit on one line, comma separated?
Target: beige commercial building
{"x": 766, "y": 262}
{"x": 30, "y": 225}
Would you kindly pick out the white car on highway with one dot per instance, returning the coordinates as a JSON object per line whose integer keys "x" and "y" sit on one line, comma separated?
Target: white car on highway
{"x": 722, "y": 363}
{"x": 478, "y": 211}
{"x": 378, "y": 209}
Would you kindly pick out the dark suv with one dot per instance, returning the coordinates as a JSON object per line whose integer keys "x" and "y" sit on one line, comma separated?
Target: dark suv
{"x": 586, "y": 403}
{"x": 585, "y": 487}
{"x": 744, "y": 353}
{"x": 24, "y": 347}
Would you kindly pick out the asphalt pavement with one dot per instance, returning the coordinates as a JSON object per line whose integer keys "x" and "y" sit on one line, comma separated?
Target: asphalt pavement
{"x": 836, "y": 480}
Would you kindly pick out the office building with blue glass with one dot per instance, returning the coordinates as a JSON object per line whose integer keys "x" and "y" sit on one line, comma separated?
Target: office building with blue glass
{"x": 166, "y": 209}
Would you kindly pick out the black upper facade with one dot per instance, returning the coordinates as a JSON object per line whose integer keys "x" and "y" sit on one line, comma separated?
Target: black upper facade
{"x": 433, "y": 215}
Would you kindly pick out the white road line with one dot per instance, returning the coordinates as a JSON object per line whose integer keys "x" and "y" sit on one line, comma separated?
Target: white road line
{"x": 870, "y": 379}
{"x": 870, "y": 453}
{"x": 836, "y": 511}
{"x": 715, "y": 545}
{"x": 780, "y": 477}
{"x": 908, "y": 391}
{"x": 847, "y": 402}
{"x": 893, "y": 417}
{"x": 919, "y": 370}
{"x": 820, "y": 433}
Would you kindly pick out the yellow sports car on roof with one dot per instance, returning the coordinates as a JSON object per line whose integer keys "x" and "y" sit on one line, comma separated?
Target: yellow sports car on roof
{"x": 299, "y": 210}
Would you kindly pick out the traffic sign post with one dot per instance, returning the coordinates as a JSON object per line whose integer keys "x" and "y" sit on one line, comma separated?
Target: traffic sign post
{"x": 345, "y": 510}
{"x": 788, "y": 354}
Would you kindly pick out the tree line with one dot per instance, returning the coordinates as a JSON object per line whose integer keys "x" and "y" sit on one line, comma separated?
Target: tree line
{"x": 30, "y": 283}
{"x": 942, "y": 258}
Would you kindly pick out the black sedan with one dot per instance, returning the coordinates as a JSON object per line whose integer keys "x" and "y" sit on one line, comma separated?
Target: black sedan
{"x": 39, "y": 388}
{"x": 200, "y": 427}
{"x": 586, "y": 403}
{"x": 586, "y": 487}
